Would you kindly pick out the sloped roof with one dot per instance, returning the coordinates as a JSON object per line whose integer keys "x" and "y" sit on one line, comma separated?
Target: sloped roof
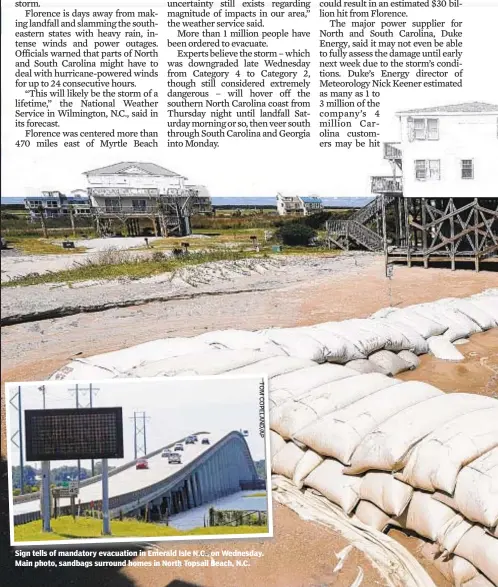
{"x": 149, "y": 168}
{"x": 464, "y": 108}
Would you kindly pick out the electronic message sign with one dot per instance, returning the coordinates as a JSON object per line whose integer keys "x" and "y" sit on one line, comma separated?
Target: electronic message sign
{"x": 67, "y": 434}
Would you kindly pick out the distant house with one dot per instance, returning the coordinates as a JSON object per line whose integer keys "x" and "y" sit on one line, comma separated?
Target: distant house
{"x": 201, "y": 199}
{"x": 297, "y": 205}
{"x": 54, "y": 204}
{"x": 144, "y": 197}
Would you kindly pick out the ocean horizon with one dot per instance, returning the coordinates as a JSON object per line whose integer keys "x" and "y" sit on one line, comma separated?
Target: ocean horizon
{"x": 351, "y": 202}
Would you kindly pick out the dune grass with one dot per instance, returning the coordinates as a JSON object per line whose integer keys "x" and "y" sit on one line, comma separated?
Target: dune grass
{"x": 41, "y": 246}
{"x": 65, "y": 528}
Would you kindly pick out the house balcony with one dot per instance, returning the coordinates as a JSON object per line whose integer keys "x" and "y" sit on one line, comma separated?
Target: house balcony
{"x": 392, "y": 151}
{"x": 387, "y": 185}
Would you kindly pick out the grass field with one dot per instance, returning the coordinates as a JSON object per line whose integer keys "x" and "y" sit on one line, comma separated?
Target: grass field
{"x": 257, "y": 494}
{"x": 41, "y": 246}
{"x": 65, "y": 528}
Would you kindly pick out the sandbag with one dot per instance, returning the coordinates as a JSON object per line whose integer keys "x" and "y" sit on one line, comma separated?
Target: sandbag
{"x": 416, "y": 342}
{"x": 303, "y": 380}
{"x": 410, "y": 358}
{"x": 426, "y": 516}
{"x": 476, "y": 490}
{"x": 364, "y": 366}
{"x": 366, "y": 341}
{"x": 424, "y": 326}
{"x": 338, "y": 348}
{"x": 369, "y": 514}
{"x": 285, "y": 461}
{"x": 387, "y": 447}
{"x": 484, "y": 320}
{"x": 458, "y": 324}
{"x": 125, "y": 360}
{"x": 451, "y": 533}
{"x": 310, "y": 461}
{"x": 442, "y": 348}
{"x": 394, "y": 337}
{"x": 478, "y": 581}
{"x": 481, "y": 550}
{"x": 486, "y": 303}
{"x": 293, "y": 415}
{"x": 274, "y": 367}
{"x": 386, "y": 492}
{"x": 212, "y": 362}
{"x": 328, "y": 479}
{"x": 296, "y": 343}
{"x": 437, "y": 459}
{"x": 81, "y": 370}
{"x": 277, "y": 443}
{"x": 236, "y": 339}
{"x": 339, "y": 433}
{"x": 389, "y": 362}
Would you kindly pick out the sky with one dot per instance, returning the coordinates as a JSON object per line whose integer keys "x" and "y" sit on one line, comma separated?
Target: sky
{"x": 259, "y": 168}
{"x": 175, "y": 407}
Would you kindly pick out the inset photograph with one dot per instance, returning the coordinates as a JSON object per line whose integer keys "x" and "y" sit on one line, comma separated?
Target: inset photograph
{"x": 141, "y": 459}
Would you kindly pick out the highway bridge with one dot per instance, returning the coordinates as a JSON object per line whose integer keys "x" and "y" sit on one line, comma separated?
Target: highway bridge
{"x": 207, "y": 472}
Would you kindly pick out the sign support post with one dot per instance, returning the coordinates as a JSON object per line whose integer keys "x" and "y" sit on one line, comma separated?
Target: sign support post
{"x": 46, "y": 496}
{"x": 106, "y": 530}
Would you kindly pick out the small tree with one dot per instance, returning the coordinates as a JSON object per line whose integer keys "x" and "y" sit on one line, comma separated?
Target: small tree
{"x": 296, "y": 235}
{"x": 41, "y": 212}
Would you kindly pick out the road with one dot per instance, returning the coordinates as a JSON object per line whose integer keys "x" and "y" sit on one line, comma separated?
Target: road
{"x": 130, "y": 479}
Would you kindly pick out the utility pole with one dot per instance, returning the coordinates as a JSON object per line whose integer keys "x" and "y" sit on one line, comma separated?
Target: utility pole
{"x": 43, "y": 390}
{"x": 16, "y": 437}
{"x": 140, "y": 433}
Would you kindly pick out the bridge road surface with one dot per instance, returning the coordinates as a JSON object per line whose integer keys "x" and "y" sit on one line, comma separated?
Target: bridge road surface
{"x": 131, "y": 479}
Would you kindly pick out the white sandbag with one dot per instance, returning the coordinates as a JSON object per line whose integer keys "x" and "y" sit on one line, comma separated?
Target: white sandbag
{"x": 416, "y": 342}
{"x": 430, "y": 552}
{"x": 81, "y": 370}
{"x": 437, "y": 459}
{"x": 310, "y": 461}
{"x": 339, "y": 349}
{"x": 364, "y": 366}
{"x": 386, "y": 492}
{"x": 211, "y": 362}
{"x": 328, "y": 479}
{"x": 424, "y": 326}
{"x": 127, "y": 359}
{"x": 488, "y": 304}
{"x": 277, "y": 443}
{"x": 451, "y": 533}
{"x": 442, "y": 348}
{"x": 410, "y": 358}
{"x": 293, "y": 415}
{"x": 235, "y": 339}
{"x": 459, "y": 325}
{"x": 481, "y": 550}
{"x": 296, "y": 343}
{"x": 484, "y": 320}
{"x": 369, "y": 514}
{"x": 395, "y": 339}
{"x": 285, "y": 461}
{"x": 365, "y": 341}
{"x": 389, "y": 362}
{"x": 387, "y": 447}
{"x": 274, "y": 367}
{"x": 464, "y": 573}
{"x": 383, "y": 313}
{"x": 426, "y": 516}
{"x": 339, "y": 433}
{"x": 303, "y": 380}
{"x": 476, "y": 490}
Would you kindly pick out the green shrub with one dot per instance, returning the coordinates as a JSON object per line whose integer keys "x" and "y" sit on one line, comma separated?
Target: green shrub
{"x": 296, "y": 235}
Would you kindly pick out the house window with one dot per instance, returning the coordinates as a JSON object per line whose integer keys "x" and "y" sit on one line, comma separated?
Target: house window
{"x": 424, "y": 129}
{"x": 138, "y": 205}
{"x": 467, "y": 169}
{"x": 427, "y": 169}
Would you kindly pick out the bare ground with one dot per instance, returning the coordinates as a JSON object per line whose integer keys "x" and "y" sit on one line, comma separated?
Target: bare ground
{"x": 301, "y": 554}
